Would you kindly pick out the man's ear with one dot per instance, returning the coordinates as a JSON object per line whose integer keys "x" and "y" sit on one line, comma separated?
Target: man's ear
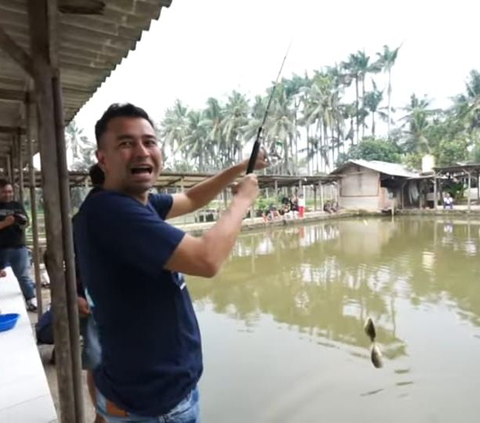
{"x": 100, "y": 159}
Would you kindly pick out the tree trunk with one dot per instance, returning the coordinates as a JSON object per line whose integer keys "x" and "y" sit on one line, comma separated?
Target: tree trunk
{"x": 373, "y": 124}
{"x": 356, "y": 109}
{"x": 332, "y": 146}
{"x": 389, "y": 92}
{"x": 363, "y": 105}
{"x": 309, "y": 158}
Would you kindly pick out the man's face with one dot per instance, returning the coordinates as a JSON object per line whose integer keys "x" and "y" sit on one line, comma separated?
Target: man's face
{"x": 129, "y": 155}
{"x": 6, "y": 194}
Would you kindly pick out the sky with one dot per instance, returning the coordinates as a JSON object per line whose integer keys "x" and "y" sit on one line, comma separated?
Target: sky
{"x": 204, "y": 48}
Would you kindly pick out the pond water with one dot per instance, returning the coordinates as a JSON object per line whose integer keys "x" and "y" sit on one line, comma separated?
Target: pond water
{"x": 283, "y": 335}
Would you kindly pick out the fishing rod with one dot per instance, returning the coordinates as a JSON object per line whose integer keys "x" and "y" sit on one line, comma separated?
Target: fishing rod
{"x": 257, "y": 144}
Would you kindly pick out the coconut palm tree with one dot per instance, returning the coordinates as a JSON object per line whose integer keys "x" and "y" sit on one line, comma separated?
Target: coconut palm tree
{"x": 213, "y": 116}
{"x": 235, "y": 119}
{"x": 418, "y": 122}
{"x": 195, "y": 140}
{"x": 76, "y": 141}
{"x": 386, "y": 60}
{"x": 281, "y": 130}
{"x": 174, "y": 128}
{"x": 373, "y": 99}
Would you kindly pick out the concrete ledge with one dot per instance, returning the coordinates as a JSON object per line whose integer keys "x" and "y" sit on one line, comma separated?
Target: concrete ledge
{"x": 258, "y": 222}
{"x": 439, "y": 212}
{"x": 24, "y": 393}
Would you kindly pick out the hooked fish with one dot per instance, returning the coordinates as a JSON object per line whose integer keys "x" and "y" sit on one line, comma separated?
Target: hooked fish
{"x": 370, "y": 329}
{"x": 376, "y": 356}
{"x": 375, "y": 353}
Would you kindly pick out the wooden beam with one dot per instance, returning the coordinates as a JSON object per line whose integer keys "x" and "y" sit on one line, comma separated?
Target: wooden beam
{"x": 12, "y": 130}
{"x": 30, "y": 118}
{"x": 17, "y": 53}
{"x": 12, "y": 95}
{"x": 18, "y": 151}
{"x": 81, "y": 7}
{"x": 40, "y": 41}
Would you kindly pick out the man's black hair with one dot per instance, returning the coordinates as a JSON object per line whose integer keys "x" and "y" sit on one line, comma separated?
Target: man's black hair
{"x": 4, "y": 182}
{"x": 119, "y": 110}
{"x": 96, "y": 175}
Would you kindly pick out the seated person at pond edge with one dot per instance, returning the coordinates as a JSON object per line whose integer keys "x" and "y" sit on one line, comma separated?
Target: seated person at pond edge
{"x": 448, "y": 201}
{"x": 271, "y": 213}
{"x": 328, "y": 207}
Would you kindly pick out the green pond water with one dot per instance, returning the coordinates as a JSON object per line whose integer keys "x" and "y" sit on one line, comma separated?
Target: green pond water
{"x": 282, "y": 324}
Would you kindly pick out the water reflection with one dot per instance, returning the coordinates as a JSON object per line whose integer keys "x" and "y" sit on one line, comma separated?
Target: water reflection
{"x": 324, "y": 280}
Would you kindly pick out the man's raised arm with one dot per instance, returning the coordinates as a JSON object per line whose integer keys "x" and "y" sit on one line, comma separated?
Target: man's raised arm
{"x": 201, "y": 194}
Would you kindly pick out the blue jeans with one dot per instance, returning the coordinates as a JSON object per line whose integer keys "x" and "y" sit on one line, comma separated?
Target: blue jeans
{"x": 186, "y": 411}
{"x": 91, "y": 351}
{"x": 19, "y": 259}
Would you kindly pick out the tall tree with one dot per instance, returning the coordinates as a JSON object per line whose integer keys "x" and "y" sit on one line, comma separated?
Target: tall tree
{"x": 386, "y": 59}
{"x": 373, "y": 99}
{"x": 174, "y": 128}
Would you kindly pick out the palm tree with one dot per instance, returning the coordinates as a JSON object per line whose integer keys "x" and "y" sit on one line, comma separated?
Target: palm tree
{"x": 372, "y": 104}
{"x": 236, "y": 118}
{"x": 418, "y": 120}
{"x": 213, "y": 116}
{"x": 174, "y": 128}
{"x": 196, "y": 139}
{"x": 76, "y": 142}
{"x": 386, "y": 59}
{"x": 467, "y": 106}
{"x": 281, "y": 127}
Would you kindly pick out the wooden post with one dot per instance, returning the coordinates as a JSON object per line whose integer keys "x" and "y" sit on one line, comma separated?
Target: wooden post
{"x": 20, "y": 166}
{"x": 321, "y": 197}
{"x": 41, "y": 14}
{"x": 68, "y": 249}
{"x": 11, "y": 174}
{"x": 468, "y": 191}
{"x": 276, "y": 190}
{"x": 29, "y": 113}
{"x": 434, "y": 191}
{"x": 8, "y": 168}
{"x": 314, "y": 197}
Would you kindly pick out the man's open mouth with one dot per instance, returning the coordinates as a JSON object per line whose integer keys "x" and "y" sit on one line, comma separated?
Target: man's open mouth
{"x": 141, "y": 170}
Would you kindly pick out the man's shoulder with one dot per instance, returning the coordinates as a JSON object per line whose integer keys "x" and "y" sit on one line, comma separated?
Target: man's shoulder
{"x": 11, "y": 205}
{"x": 107, "y": 199}
{"x": 161, "y": 202}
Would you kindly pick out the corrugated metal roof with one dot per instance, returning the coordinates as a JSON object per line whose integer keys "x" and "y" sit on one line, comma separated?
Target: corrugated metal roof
{"x": 392, "y": 169}
{"x": 90, "y": 48}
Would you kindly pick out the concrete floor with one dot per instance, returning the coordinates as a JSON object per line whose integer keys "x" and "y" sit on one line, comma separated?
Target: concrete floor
{"x": 50, "y": 371}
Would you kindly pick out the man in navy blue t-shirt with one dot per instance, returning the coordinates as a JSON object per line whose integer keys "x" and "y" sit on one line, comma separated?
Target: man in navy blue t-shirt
{"x": 132, "y": 263}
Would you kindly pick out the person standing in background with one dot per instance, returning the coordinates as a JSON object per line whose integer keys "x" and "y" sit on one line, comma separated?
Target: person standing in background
{"x": 13, "y": 249}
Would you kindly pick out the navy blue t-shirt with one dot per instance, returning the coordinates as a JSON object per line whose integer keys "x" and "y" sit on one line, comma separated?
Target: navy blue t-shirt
{"x": 151, "y": 349}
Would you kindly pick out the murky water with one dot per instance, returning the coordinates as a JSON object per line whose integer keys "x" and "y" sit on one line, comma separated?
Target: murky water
{"x": 283, "y": 324}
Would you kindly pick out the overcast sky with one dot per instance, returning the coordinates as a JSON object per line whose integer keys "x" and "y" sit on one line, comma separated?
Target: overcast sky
{"x": 203, "y": 48}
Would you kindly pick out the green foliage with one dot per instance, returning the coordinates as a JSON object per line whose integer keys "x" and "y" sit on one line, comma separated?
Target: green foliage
{"x": 412, "y": 161}
{"x": 263, "y": 203}
{"x": 374, "y": 149}
{"x": 452, "y": 151}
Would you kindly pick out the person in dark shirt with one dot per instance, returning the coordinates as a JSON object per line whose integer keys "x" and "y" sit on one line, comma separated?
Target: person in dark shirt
{"x": 132, "y": 264}
{"x": 13, "y": 251}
